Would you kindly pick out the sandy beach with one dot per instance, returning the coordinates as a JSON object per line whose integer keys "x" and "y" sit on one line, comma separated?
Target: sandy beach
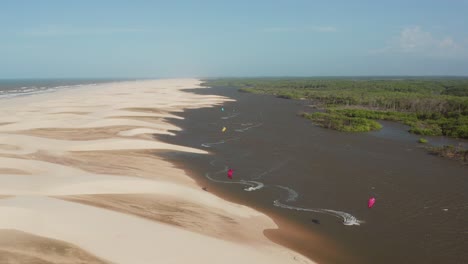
{"x": 81, "y": 182}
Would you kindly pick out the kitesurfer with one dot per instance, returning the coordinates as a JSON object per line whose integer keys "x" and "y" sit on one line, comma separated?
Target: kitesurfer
{"x": 371, "y": 202}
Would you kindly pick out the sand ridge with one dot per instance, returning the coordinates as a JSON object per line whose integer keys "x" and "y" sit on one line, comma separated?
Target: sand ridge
{"x": 81, "y": 166}
{"x": 21, "y": 247}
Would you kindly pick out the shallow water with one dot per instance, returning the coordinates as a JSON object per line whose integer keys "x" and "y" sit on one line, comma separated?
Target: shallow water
{"x": 399, "y": 132}
{"x": 321, "y": 179}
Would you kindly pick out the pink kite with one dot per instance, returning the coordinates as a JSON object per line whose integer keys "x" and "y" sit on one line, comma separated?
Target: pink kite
{"x": 371, "y": 202}
{"x": 229, "y": 174}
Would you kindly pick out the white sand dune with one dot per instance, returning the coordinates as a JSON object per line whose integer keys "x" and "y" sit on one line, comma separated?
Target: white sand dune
{"x": 30, "y": 144}
{"x": 79, "y": 166}
{"x": 124, "y": 238}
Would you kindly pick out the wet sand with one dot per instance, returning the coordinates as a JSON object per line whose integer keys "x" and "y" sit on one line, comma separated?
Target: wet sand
{"x": 421, "y": 209}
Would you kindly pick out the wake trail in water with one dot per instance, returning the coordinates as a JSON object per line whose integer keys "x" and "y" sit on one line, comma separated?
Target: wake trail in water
{"x": 347, "y": 218}
{"x": 208, "y": 145}
{"x": 242, "y": 130}
{"x": 256, "y": 186}
{"x": 292, "y": 194}
{"x": 252, "y": 185}
{"x": 230, "y": 116}
{"x": 207, "y": 175}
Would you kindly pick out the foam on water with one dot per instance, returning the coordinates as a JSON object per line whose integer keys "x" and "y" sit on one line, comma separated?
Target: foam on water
{"x": 256, "y": 186}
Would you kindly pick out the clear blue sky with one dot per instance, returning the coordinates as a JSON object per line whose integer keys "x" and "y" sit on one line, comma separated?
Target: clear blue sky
{"x": 232, "y": 38}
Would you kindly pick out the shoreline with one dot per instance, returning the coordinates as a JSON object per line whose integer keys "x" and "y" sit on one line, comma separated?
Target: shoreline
{"x": 314, "y": 245}
{"x": 110, "y": 163}
{"x": 288, "y": 233}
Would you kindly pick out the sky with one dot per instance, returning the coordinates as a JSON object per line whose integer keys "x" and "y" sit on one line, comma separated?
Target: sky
{"x": 199, "y": 38}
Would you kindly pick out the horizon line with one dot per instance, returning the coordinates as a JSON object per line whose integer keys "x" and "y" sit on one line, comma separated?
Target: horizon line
{"x": 226, "y": 77}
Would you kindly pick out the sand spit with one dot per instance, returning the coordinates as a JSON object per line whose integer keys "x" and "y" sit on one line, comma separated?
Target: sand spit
{"x": 81, "y": 182}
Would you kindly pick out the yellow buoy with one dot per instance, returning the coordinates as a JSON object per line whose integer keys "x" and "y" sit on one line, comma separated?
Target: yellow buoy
{"x": 224, "y": 129}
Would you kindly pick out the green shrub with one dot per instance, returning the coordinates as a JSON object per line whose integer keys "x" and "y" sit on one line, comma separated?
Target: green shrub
{"x": 423, "y": 140}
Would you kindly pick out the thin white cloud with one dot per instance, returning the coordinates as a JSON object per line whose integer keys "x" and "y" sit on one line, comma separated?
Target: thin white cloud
{"x": 61, "y": 30}
{"x": 449, "y": 43}
{"x": 414, "y": 40}
{"x": 321, "y": 29}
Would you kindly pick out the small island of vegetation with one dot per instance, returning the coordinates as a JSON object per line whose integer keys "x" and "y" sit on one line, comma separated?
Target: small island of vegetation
{"x": 341, "y": 122}
{"x": 452, "y": 152}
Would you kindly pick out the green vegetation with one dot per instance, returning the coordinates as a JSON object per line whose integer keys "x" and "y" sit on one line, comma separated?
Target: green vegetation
{"x": 430, "y": 106}
{"x": 342, "y": 123}
{"x": 423, "y": 140}
{"x": 426, "y": 124}
{"x": 452, "y": 152}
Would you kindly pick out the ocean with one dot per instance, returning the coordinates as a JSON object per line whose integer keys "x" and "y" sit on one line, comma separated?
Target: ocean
{"x": 22, "y": 87}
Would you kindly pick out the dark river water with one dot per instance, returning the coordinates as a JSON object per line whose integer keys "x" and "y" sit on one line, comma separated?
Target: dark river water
{"x": 320, "y": 180}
